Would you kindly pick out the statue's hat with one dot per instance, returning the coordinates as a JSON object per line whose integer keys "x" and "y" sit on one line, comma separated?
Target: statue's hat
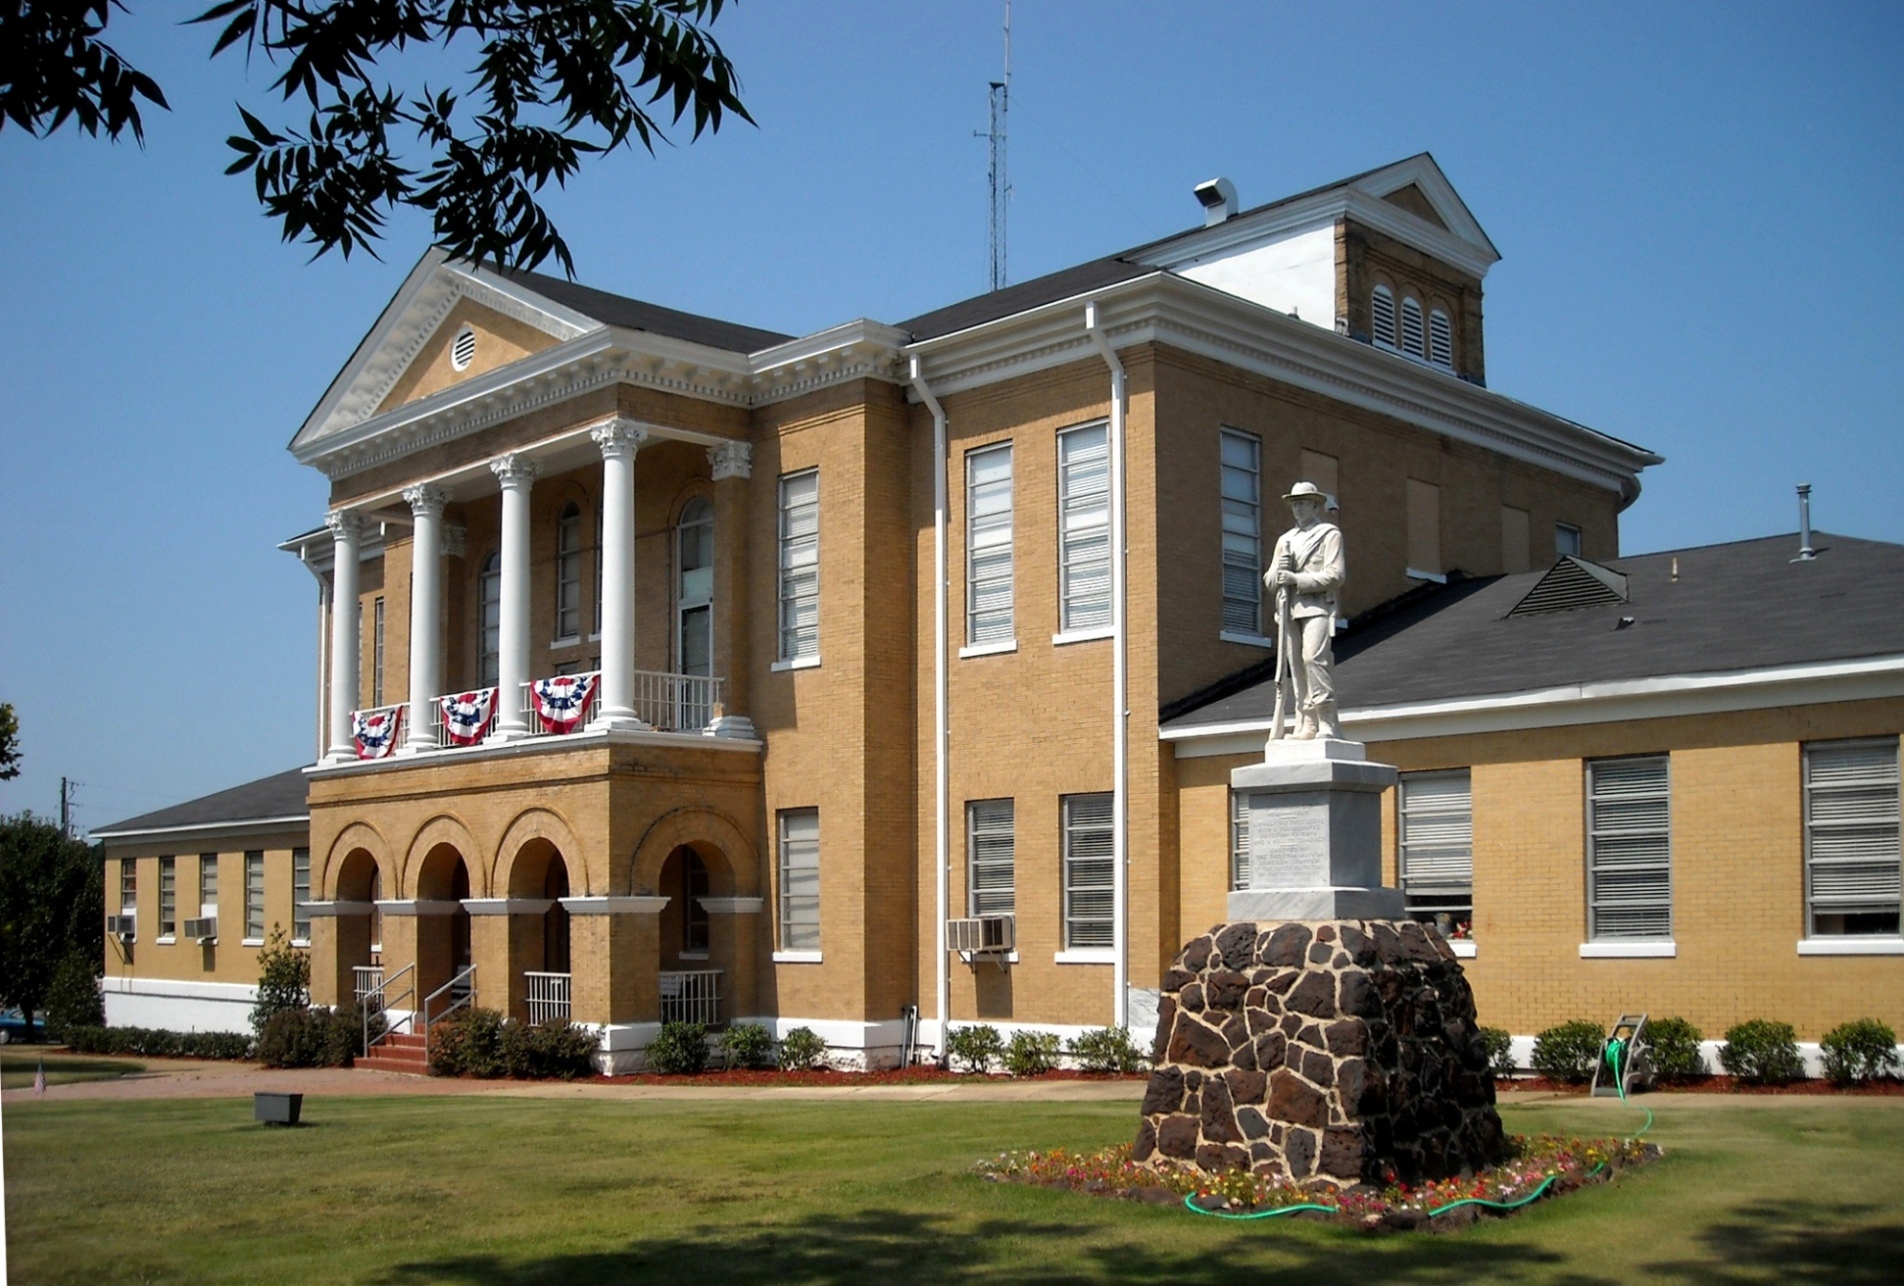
{"x": 1307, "y": 491}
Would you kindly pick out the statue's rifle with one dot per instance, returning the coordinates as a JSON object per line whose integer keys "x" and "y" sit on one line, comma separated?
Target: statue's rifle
{"x": 1284, "y": 677}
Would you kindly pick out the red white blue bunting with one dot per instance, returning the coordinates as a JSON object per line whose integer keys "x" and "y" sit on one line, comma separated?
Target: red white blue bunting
{"x": 375, "y": 731}
{"x": 467, "y": 716}
{"x": 560, "y": 702}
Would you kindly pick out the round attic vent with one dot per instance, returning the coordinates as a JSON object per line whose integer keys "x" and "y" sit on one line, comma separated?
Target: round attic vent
{"x": 463, "y": 350}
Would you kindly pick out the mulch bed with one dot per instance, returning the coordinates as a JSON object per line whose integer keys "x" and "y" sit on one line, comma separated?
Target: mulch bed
{"x": 1886, "y": 1087}
{"x": 851, "y": 1079}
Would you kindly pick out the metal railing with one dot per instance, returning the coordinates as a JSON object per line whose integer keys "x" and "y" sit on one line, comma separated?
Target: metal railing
{"x": 691, "y": 996}
{"x": 461, "y": 991}
{"x": 376, "y": 1003}
{"x": 676, "y": 702}
{"x": 548, "y": 996}
{"x": 366, "y": 979}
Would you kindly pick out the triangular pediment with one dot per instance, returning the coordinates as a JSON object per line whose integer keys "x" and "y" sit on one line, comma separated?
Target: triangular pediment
{"x": 1411, "y": 198}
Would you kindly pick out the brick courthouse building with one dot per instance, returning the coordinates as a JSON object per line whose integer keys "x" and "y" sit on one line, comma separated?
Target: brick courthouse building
{"x": 788, "y": 674}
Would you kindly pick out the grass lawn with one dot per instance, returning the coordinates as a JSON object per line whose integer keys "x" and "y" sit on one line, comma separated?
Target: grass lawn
{"x": 18, "y": 1066}
{"x": 537, "y": 1192}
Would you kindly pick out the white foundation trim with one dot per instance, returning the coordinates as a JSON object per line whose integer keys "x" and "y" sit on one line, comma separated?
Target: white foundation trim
{"x": 1872, "y": 946}
{"x": 1628, "y": 950}
{"x": 615, "y": 906}
{"x": 796, "y": 957}
{"x": 178, "y": 1005}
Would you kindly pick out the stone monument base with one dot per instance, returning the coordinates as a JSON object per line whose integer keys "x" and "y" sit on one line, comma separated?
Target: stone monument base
{"x": 1343, "y": 1051}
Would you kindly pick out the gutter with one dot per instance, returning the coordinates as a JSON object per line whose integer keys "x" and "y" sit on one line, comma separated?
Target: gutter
{"x": 941, "y": 767}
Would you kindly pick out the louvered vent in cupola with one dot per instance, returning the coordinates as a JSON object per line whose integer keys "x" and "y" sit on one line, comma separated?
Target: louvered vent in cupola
{"x": 1440, "y": 340}
{"x": 1411, "y": 327}
{"x": 1572, "y": 583}
{"x": 1382, "y": 308}
{"x": 463, "y": 350}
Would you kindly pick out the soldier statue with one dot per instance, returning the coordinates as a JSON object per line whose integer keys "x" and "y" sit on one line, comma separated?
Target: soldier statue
{"x": 1305, "y": 574}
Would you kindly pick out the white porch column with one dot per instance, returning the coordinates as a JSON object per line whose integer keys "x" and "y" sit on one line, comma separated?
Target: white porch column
{"x": 426, "y": 612}
{"x": 346, "y": 528}
{"x": 517, "y": 475}
{"x": 619, "y": 441}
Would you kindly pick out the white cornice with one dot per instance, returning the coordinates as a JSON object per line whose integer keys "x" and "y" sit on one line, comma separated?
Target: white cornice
{"x": 208, "y": 830}
{"x": 1658, "y": 697}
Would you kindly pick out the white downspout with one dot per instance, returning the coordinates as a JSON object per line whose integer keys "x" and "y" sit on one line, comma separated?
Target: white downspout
{"x": 941, "y": 767}
{"x": 1120, "y": 689}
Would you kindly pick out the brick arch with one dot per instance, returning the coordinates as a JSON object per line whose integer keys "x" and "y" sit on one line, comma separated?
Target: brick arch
{"x": 444, "y": 828}
{"x": 539, "y": 824}
{"x": 358, "y": 835}
{"x": 733, "y": 865}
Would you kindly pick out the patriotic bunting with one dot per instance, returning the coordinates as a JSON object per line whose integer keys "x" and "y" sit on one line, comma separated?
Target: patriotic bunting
{"x": 375, "y": 731}
{"x": 467, "y": 716}
{"x": 561, "y": 702}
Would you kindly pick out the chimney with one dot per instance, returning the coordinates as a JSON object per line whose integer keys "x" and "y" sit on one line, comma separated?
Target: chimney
{"x": 1219, "y": 201}
{"x": 1805, "y": 552}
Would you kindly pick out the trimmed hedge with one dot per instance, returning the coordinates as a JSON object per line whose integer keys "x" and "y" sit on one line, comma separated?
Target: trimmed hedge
{"x": 1500, "y": 1050}
{"x": 1675, "y": 1046}
{"x": 153, "y": 1042}
{"x": 802, "y": 1050}
{"x": 747, "y": 1045}
{"x": 1761, "y": 1052}
{"x": 978, "y": 1047}
{"x": 315, "y": 1037}
{"x": 679, "y": 1050}
{"x": 1106, "y": 1049}
{"x": 482, "y": 1043}
{"x": 1031, "y": 1053}
{"x": 1859, "y": 1050}
{"x": 1569, "y": 1051}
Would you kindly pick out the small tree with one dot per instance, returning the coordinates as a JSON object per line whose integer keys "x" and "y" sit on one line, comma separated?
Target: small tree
{"x": 51, "y": 905}
{"x": 73, "y": 1000}
{"x": 284, "y": 979}
{"x": 9, "y": 742}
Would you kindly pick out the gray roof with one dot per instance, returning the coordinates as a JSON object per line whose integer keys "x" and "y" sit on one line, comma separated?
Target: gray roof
{"x": 633, "y": 314}
{"x": 1740, "y": 606}
{"x": 268, "y": 798}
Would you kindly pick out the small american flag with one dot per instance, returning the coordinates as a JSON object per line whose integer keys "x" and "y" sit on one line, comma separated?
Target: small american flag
{"x": 39, "y": 1078}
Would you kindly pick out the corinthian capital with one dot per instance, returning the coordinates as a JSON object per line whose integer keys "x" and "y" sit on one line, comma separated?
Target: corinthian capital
{"x": 345, "y": 524}
{"x": 619, "y": 437}
{"x": 426, "y": 499}
{"x": 513, "y": 469}
{"x": 731, "y": 460}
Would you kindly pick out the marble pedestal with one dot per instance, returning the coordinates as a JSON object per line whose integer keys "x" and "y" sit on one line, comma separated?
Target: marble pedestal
{"x": 1315, "y": 834}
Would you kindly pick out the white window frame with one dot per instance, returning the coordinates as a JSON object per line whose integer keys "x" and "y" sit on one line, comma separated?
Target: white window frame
{"x": 1565, "y": 534}
{"x": 989, "y": 555}
{"x": 1382, "y": 327}
{"x": 1242, "y": 520}
{"x": 1239, "y": 840}
{"x": 1877, "y": 816}
{"x": 301, "y": 895}
{"x": 991, "y": 849}
{"x": 568, "y": 574}
{"x": 798, "y": 914}
{"x": 687, "y": 601}
{"x": 1435, "y": 845}
{"x": 1084, "y": 529}
{"x": 254, "y": 896}
{"x": 799, "y": 568}
{"x": 1094, "y": 930}
{"x": 168, "y": 897}
{"x": 489, "y": 621}
{"x": 1602, "y": 839}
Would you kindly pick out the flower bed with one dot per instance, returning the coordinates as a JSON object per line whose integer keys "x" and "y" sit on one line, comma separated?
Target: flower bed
{"x": 1543, "y": 1165}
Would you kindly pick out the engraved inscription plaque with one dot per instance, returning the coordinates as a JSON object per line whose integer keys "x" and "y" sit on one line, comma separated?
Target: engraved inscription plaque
{"x": 1289, "y": 841}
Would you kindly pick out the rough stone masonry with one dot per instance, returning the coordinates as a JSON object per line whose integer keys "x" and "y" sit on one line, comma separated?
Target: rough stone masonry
{"x": 1341, "y": 1051}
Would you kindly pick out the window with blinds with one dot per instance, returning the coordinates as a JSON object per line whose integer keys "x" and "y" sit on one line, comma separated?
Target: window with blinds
{"x": 1242, "y": 532}
{"x": 1440, "y": 339}
{"x": 254, "y": 895}
{"x": 990, "y": 853}
{"x": 207, "y": 882}
{"x": 1382, "y": 317}
{"x": 301, "y": 894}
{"x": 1087, "y": 871}
{"x": 988, "y": 545}
{"x": 168, "y": 896}
{"x": 1629, "y": 849}
{"x": 800, "y": 879}
{"x": 1084, "y": 528}
{"x": 128, "y": 886}
{"x": 489, "y": 621}
{"x": 376, "y": 652}
{"x": 1239, "y": 840}
{"x": 568, "y": 574}
{"x": 800, "y": 566}
{"x": 1851, "y": 837}
{"x": 1411, "y": 327}
{"x": 1437, "y": 849}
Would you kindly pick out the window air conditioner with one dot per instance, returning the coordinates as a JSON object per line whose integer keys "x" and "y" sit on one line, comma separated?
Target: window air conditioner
{"x": 205, "y": 931}
{"x": 983, "y": 935}
{"x": 122, "y": 927}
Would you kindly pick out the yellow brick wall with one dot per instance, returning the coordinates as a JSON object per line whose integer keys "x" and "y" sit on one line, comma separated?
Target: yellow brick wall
{"x": 229, "y": 960}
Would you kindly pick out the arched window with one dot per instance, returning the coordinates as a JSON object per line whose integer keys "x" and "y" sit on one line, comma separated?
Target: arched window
{"x": 694, "y": 588}
{"x": 1411, "y": 327}
{"x": 1382, "y": 313}
{"x": 568, "y": 572}
{"x": 489, "y": 618}
{"x": 1440, "y": 340}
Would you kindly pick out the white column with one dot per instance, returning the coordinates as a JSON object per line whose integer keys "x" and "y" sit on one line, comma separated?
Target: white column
{"x": 426, "y": 612}
{"x": 345, "y": 527}
{"x": 517, "y": 475}
{"x": 619, "y": 441}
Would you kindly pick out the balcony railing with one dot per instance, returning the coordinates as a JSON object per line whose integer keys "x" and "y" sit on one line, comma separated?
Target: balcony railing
{"x": 366, "y": 979}
{"x": 548, "y": 996}
{"x": 691, "y": 996}
{"x": 676, "y": 702}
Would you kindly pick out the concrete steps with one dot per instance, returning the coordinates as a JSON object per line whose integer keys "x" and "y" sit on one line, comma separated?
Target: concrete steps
{"x": 399, "y": 1052}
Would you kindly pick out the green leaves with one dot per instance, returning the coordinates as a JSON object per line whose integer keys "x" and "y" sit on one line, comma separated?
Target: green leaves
{"x": 55, "y": 68}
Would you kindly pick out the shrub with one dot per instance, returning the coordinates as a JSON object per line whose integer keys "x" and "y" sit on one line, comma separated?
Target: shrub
{"x": 1675, "y": 1045}
{"x": 73, "y": 999}
{"x": 284, "y": 979}
{"x": 1859, "y": 1050}
{"x": 315, "y": 1037}
{"x": 747, "y": 1045}
{"x": 802, "y": 1050}
{"x": 1031, "y": 1053}
{"x": 148, "y": 1042}
{"x": 1500, "y": 1050}
{"x": 680, "y": 1050}
{"x": 977, "y": 1047}
{"x": 469, "y": 1043}
{"x": 1569, "y": 1052}
{"x": 1761, "y": 1052}
{"x": 556, "y": 1050}
{"x": 1106, "y": 1049}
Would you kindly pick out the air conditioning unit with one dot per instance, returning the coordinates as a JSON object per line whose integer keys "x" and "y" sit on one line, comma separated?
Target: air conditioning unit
{"x": 983, "y": 935}
{"x": 205, "y": 931}
{"x": 122, "y": 927}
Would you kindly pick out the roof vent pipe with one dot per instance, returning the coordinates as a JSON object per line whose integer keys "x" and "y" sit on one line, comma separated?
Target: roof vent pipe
{"x": 1805, "y": 552}
{"x": 1219, "y": 201}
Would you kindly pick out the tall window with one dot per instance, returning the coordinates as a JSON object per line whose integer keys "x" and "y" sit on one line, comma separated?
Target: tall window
{"x": 1440, "y": 339}
{"x": 800, "y": 566}
{"x": 376, "y": 646}
{"x": 1382, "y": 316}
{"x": 1567, "y": 540}
{"x": 489, "y": 600}
{"x": 1851, "y": 837}
{"x": 694, "y": 592}
{"x": 988, "y": 545}
{"x": 301, "y": 894}
{"x": 1242, "y": 532}
{"x": 1437, "y": 849}
{"x": 1084, "y": 528}
{"x": 1411, "y": 327}
{"x": 168, "y": 896}
{"x": 254, "y": 895}
{"x": 1088, "y": 903}
{"x": 800, "y": 879}
{"x": 568, "y": 573}
{"x": 1629, "y": 849}
{"x": 207, "y": 883}
{"x": 694, "y": 918}
{"x": 1239, "y": 840}
{"x": 128, "y": 886}
{"x": 990, "y": 852}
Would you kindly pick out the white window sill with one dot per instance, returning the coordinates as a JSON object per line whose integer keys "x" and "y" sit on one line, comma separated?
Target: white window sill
{"x": 1875, "y": 945}
{"x": 1086, "y": 956}
{"x": 796, "y": 957}
{"x": 1081, "y": 636}
{"x": 1415, "y": 573}
{"x": 1628, "y": 950}
{"x": 296, "y": 942}
{"x": 572, "y": 640}
{"x": 1247, "y": 640}
{"x": 691, "y": 955}
{"x": 251, "y": 942}
{"x": 988, "y": 957}
{"x": 165, "y": 940}
{"x": 988, "y": 649}
{"x": 797, "y": 663}
{"x": 1463, "y": 948}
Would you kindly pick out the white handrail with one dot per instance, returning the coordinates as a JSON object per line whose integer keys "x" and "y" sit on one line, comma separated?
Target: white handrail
{"x": 381, "y": 994}
{"x": 548, "y": 995}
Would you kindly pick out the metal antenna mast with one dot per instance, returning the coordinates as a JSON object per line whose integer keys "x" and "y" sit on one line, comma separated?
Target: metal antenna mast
{"x": 1001, "y": 185}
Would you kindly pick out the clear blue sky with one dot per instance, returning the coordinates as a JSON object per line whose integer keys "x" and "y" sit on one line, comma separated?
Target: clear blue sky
{"x": 1701, "y": 209}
